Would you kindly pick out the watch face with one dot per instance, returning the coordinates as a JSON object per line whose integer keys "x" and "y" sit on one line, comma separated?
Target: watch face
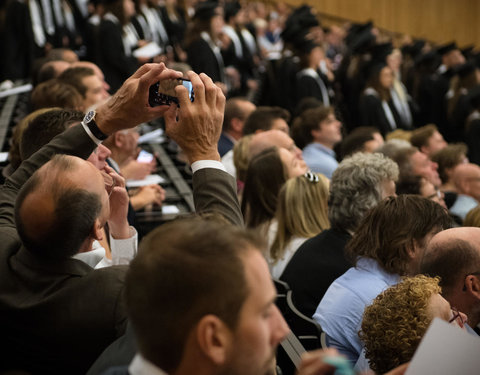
{"x": 89, "y": 117}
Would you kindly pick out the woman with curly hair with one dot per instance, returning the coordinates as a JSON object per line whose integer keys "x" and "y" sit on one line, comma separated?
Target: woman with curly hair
{"x": 396, "y": 321}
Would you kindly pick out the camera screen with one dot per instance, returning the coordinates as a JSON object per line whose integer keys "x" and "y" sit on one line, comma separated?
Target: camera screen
{"x": 163, "y": 93}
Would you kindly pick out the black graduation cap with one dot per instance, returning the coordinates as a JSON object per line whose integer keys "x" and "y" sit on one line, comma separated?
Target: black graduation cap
{"x": 362, "y": 42}
{"x": 446, "y": 48}
{"x": 231, "y": 9}
{"x": 428, "y": 58}
{"x": 473, "y": 97}
{"x": 465, "y": 69}
{"x": 381, "y": 51}
{"x": 467, "y": 51}
{"x": 107, "y": 2}
{"x": 299, "y": 21}
{"x": 305, "y": 16}
{"x": 304, "y": 45}
{"x": 357, "y": 29}
{"x": 206, "y": 10}
{"x": 414, "y": 49}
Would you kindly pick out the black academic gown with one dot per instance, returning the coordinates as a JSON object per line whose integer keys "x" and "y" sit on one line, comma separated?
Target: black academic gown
{"x": 113, "y": 61}
{"x": 202, "y": 60}
{"x": 373, "y": 114}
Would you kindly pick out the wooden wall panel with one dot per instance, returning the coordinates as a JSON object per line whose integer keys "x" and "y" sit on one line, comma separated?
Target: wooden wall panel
{"x": 436, "y": 20}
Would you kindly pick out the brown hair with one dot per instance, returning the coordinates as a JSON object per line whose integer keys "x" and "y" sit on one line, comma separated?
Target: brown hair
{"x": 266, "y": 174}
{"x": 185, "y": 270}
{"x": 241, "y": 156}
{"x": 74, "y": 77}
{"x": 420, "y": 136}
{"x": 55, "y": 93}
{"x": 388, "y": 232}
{"x": 449, "y": 158}
{"x": 262, "y": 119}
{"x": 396, "y": 321}
{"x": 14, "y": 155}
{"x": 308, "y": 121}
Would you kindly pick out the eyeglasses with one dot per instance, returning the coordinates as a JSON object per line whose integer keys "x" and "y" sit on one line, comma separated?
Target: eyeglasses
{"x": 109, "y": 182}
{"x": 456, "y": 317}
{"x": 312, "y": 177}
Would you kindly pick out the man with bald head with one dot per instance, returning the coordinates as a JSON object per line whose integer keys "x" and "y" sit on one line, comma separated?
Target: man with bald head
{"x": 454, "y": 255}
{"x": 466, "y": 178}
{"x": 57, "y": 313}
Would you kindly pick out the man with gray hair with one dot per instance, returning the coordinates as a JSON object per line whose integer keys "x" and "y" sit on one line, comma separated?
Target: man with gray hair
{"x": 357, "y": 185}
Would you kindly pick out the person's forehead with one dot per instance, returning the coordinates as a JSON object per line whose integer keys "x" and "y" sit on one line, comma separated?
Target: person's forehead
{"x": 92, "y": 81}
{"x": 419, "y": 158}
{"x": 281, "y": 139}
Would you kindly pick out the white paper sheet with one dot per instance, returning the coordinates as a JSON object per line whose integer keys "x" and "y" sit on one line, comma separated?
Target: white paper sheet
{"x": 446, "y": 350}
{"x": 151, "y": 179}
{"x": 151, "y": 136}
{"x": 149, "y": 50}
{"x": 170, "y": 209}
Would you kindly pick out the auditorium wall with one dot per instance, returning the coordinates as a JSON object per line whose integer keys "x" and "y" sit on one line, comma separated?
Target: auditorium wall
{"x": 439, "y": 21}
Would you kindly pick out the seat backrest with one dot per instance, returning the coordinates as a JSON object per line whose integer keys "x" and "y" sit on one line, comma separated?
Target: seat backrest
{"x": 307, "y": 330}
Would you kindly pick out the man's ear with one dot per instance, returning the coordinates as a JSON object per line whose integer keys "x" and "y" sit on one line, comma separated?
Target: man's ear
{"x": 214, "y": 339}
{"x": 97, "y": 230}
{"x": 472, "y": 285}
{"x": 119, "y": 139}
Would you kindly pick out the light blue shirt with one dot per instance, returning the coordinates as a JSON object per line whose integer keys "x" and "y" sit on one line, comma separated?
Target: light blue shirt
{"x": 341, "y": 309}
{"x": 320, "y": 159}
{"x": 462, "y": 205}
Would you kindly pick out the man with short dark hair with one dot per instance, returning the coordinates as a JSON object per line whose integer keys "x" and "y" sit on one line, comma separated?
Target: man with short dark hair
{"x": 428, "y": 140}
{"x": 454, "y": 255}
{"x": 316, "y": 131}
{"x": 220, "y": 317}
{"x": 389, "y": 243}
{"x": 47, "y": 297}
{"x": 237, "y": 111}
{"x": 87, "y": 83}
{"x": 267, "y": 118}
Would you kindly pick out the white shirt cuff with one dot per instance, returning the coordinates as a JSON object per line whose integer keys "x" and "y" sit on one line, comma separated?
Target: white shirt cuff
{"x": 90, "y": 134}
{"x": 124, "y": 250}
{"x": 200, "y": 164}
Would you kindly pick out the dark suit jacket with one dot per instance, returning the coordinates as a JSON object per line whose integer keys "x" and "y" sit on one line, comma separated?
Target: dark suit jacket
{"x": 57, "y": 317}
{"x": 314, "y": 266}
{"x": 118, "y": 370}
{"x": 225, "y": 144}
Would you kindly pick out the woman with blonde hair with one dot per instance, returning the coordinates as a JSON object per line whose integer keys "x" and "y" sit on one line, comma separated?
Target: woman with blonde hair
{"x": 301, "y": 214}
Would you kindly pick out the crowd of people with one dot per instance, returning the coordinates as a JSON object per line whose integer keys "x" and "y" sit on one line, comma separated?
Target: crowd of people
{"x": 339, "y": 159}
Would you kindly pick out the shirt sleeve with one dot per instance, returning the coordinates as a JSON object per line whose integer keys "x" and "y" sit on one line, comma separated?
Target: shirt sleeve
{"x": 123, "y": 251}
{"x": 200, "y": 164}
